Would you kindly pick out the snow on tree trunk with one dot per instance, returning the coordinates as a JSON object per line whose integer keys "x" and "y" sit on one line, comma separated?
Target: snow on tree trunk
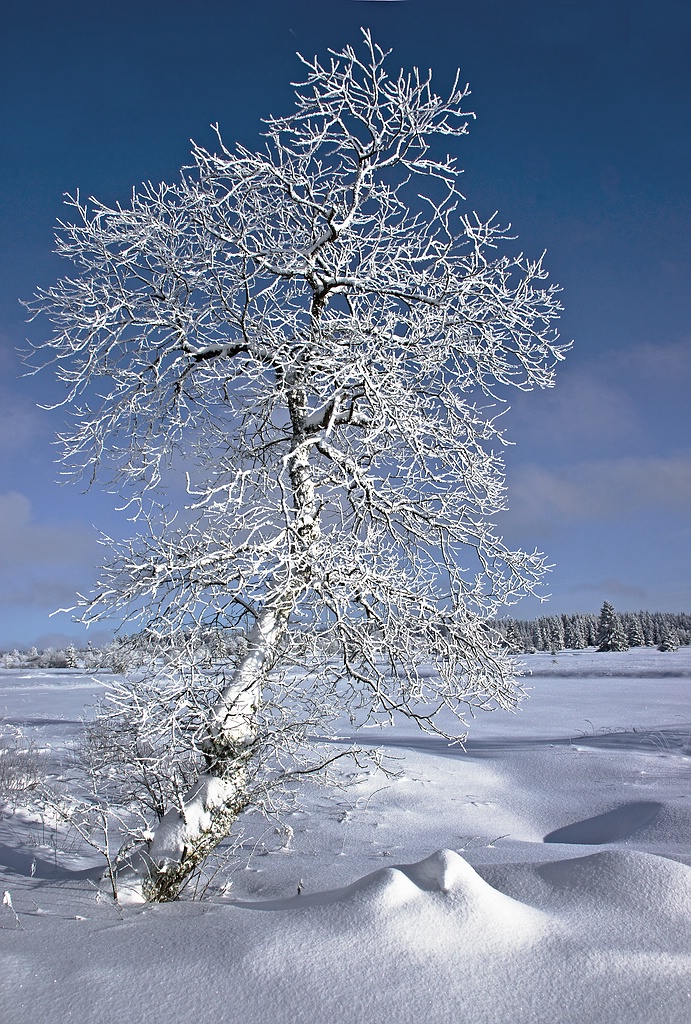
{"x": 232, "y": 723}
{"x": 187, "y": 834}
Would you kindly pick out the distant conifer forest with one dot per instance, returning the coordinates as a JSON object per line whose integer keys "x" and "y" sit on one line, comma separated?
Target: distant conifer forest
{"x": 608, "y": 631}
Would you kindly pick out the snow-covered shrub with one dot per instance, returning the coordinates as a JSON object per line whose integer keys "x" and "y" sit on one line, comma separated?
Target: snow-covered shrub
{"x": 22, "y": 768}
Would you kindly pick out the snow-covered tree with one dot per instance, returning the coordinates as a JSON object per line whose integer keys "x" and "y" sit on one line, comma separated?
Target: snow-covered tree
{"x": 513, "y": 640}
{"x": 648, "y": 628}
{"x": 556, "y": 634}
{"x": 611, "y": 635}
{"x": 318, "y": 335}
{"x": 575, "y": 638}
{"x": 634, "y": 631}
{"x": 669, "y": 640}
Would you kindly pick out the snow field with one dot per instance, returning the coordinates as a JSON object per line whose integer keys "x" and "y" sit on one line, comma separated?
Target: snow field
{"x": 540, "y": 875}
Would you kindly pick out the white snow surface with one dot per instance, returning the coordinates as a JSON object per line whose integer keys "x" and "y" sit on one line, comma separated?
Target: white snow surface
{"x": 541, "y": 875}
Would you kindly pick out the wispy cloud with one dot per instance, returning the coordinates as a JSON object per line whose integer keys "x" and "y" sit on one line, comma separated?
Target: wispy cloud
{"x": 41, "y": 564}
{"x": 582, "y": 409}
{"x": 611, "y": 587}
{"x": 612, "y": 403}
{"x": 20, "y": 423}
{"x": 608, "y": 489}
{"x": 665, "y": 364}
{"x": 25, "y": 541}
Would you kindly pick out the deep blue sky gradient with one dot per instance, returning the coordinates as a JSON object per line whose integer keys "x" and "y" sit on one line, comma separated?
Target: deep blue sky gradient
{"x": 582, "y": 141}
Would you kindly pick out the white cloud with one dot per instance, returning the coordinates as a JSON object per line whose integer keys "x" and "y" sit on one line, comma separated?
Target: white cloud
{"x": 666, "y": 363}
{"x": 609, "y": 404}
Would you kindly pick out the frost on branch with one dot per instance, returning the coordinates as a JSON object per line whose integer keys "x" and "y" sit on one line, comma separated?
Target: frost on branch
{"x": 319, "y": 336}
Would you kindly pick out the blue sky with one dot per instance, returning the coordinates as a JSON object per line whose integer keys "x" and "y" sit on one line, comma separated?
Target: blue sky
{"x": 582, "y": 141}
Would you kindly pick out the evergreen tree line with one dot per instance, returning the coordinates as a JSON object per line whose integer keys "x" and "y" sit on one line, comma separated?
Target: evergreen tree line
{"x": 107, "y": 658}
{"x": 127, "y": 652}
{"x": 608, "y": 631}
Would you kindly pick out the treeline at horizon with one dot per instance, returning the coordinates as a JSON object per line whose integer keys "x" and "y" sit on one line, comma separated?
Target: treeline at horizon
{"x": 608, "y": 631}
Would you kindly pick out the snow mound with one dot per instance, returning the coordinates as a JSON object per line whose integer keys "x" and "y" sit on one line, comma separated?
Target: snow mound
{"x": 445, "y": 871}
{"x": 629, "y": 879}
{"x": 442, "y": 872}
{"x": 429, "y": 901}
{"x": 441, "y": 884}
{"x": 379, "y": 892}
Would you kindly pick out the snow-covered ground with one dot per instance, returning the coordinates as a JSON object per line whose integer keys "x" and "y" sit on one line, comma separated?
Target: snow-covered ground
{"x": 541, "y": 875}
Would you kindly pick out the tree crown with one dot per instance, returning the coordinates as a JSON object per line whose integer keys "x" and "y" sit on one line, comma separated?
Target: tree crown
{"x": 317, "y": 333}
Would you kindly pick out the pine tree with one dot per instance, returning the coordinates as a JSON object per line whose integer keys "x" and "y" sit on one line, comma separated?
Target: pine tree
{"x": 513, "y": 639}
{"x": 610, "y": 634}
{"x": 556, "y": 635}
{"x": 574, "y": 633}
{"x": 634, "y": 631}
{"x": 669, "y": 641}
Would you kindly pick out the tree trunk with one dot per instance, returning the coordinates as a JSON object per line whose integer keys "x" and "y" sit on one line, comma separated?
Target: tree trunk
{"x": 187, "y": 834}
